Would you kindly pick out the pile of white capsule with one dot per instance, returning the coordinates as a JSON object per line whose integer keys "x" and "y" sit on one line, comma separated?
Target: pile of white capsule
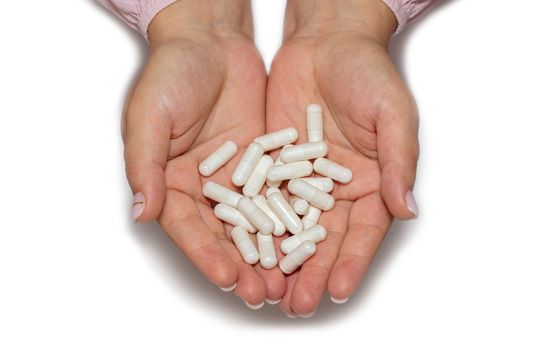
{"x": 273, "y": 215}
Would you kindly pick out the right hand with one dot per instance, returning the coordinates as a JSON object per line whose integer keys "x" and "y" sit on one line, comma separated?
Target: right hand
{"x": 204, "y": 83}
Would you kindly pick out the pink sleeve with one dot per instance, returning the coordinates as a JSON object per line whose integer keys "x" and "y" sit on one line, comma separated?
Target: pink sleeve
{"x": 136, "y": 13}
{"x": 406, "y": 10}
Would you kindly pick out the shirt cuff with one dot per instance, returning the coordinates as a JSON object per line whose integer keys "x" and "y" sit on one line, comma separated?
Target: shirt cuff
{"x": 148, "y": 12}
{"x": 407, "y": 10}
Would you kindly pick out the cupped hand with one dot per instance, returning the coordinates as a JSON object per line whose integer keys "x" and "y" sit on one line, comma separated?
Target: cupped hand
{"x": 202, "y": 85}
{"x": 370, "y": 126}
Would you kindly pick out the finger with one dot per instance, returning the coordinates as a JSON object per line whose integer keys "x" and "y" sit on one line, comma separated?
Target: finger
{"x": 274, "y": 278}
{"x": 286, "y": 301}
{"x": 398, "y": 149}
{"x": 368, "y": 222}
{"x": 182, "y": 221}
{"x": 313, "y": 276}
{"x": 146, "y": 142}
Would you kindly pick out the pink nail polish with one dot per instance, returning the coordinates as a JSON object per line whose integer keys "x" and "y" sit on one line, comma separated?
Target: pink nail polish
{"x": 411, "y": 204}
{"x": 138, "y": 205}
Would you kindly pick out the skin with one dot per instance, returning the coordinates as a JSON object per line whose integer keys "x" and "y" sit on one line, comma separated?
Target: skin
{"x": 205, "y": 83}
{"x": 335, "y": 54}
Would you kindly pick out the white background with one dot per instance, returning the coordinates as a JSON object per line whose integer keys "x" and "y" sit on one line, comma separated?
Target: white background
{"x": 75, "y": 273}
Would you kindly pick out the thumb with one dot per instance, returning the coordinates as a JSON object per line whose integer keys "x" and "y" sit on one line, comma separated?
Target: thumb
{"x": 146, "y": 141}
{"x": 398, "y": 148}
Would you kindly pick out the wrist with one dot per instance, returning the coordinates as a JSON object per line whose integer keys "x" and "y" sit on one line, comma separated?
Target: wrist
{"x": 188, "y": 18}
{"x": 368, "y": 18}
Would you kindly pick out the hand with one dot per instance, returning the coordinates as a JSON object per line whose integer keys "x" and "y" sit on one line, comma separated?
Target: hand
{"x": 335, "y": 54}
{"x": 204, "y": 83}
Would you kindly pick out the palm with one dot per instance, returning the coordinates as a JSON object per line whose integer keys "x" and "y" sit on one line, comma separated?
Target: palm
{"x": 211, "y": 94}
{"x": 353, "y": 80}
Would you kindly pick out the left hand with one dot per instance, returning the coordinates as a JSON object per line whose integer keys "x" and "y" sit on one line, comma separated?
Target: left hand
{"x": 335, "y": 54}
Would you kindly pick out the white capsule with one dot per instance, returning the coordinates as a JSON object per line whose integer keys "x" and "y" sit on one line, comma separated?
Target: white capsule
{"x": 245, "y": 245}
{"x": 332, "y": 170}
{"x": 266, "y": 249}
{"x": 255, "y": 215}
{"x": 290, "y": 171}
{"x": 297, "y": 257}
{"x": 285, "y": 213}
{"x": 258, "y": 177}
{"x": 311, "y": 194}
{"x": 247, "y": 164}
{"x": 322, "y": 183}
{"x": 271, "y": 190}
{"x": 277, "y": 162}
{"x": 277, "y": 139}
{"x": 279, "y": 228}
{"x": 311, "y": 218}
{"x": 315, "y": 234}
{"x": 221, "y": 194}
{"x": 300, "y": 205}
{"x": 232, "y": 216}
{"x": 218, "y": 158}
{"x": 304, "y": 151}
{"x": 315, "y": 123}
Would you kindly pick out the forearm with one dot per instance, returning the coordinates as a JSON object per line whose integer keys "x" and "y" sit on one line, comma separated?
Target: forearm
{"x": 192, "y": 17}
{"x": 371, "y": 18}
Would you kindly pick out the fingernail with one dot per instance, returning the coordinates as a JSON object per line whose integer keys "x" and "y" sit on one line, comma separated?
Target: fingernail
{"x": 229, "y": 289}
{"x": 291, "y": 315}
{"x": 309, "y": 315}
{"x": 338, "y": 301}
{"x": 411, "y": 204}
{"x": 253, "y": 306}
{"x": 138, "y": 206}
{"x": 273, "y": 302}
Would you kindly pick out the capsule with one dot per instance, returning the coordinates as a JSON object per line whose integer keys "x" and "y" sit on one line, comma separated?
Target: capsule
{"x": 300, "y": 205}
{"x": 290, "y": 171}
{"x": 247, "y": 164}
{"x": 232, "y": 216}
{"x": 258, "y": 177}
{"x": 311, "y": 218}
{"x": 255, "y": 216}
{"x": 322, "y": 183}
{"x": 315, "y": 123}
{"x": 279, "y": 228}
{"x": 297, "y": 257}
{"x": 266, "y": 250}
{"x": 311, "y": 194}
{"x": 271, "y": 190}
{"x": 277, "y": 139}
{"x": 245, "y": 245}
{"x": 221, "y": 194}
{"x": 285, "y": 213}
{"x": 315, "y": 234}
{"x": 304, "y": 151}
{"x": 332, "y": 170}
{"x": 218, "y": 158}
{"x": 277, "y": 162}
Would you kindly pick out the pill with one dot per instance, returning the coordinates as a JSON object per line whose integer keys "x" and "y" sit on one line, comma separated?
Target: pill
{"x": 297, "y": 257}
{"x": 247, "y": 164}
{"x": 258, "y": 177}
{"x": 245, "y": 245}
{"x": 221, "y": 194}
{"x": 315, "y": 234}
{"x": 277, "y": 139}
{"x": 218, "y": 158}
{"x": 290, "y": 171}
{"x": 271, "y": 190}
{"x": 277, "y": 162}
{"x": 300, "y": 205}
{"x": 332, "y": 170}
{"x": 304, "y": 151}
{"x": 266, "y": 250}
{"x": 285, "y": 213}
{"x": 232, "y": 216}
{"x": 322, "y": 183}
{"x": 315, "y": 123}
{"x": 311, "y": 218}
{"x": 255, "y": 215}
{"x": 311, "y": 194}
{"x": 279, "y": 228}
